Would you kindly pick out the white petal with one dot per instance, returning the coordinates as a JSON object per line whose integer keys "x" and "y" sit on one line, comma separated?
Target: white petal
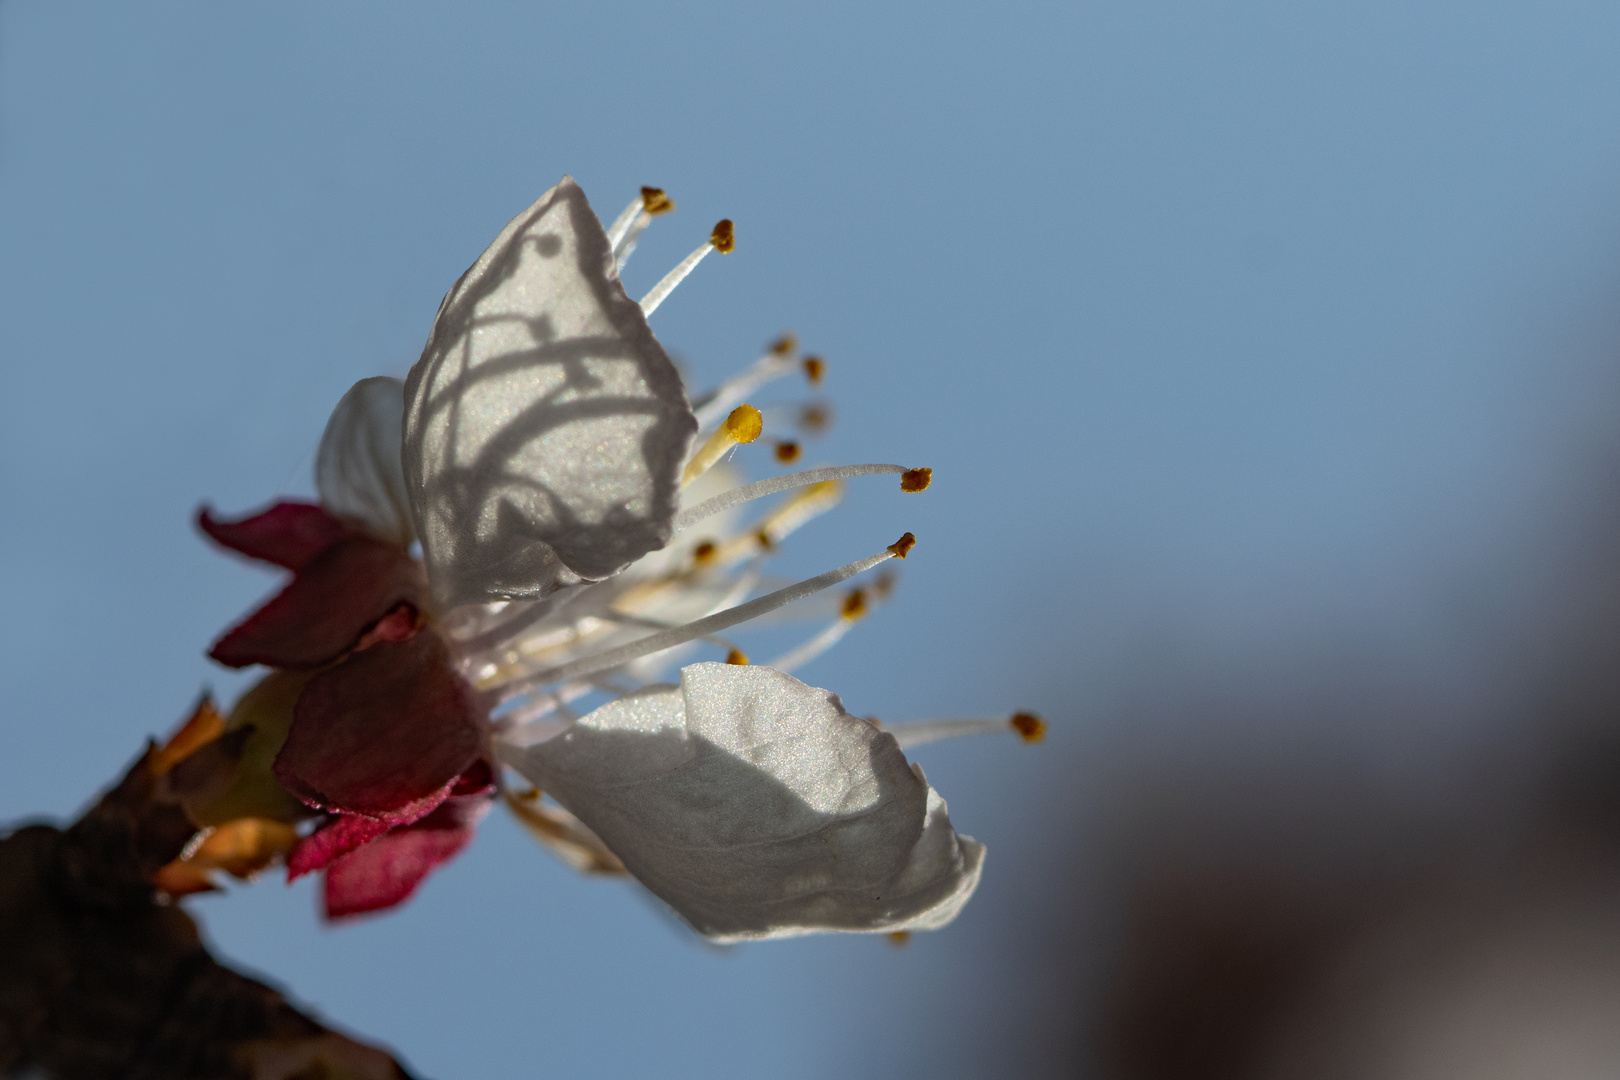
{"x": 545, "y": 426}
{"x": 357, "y": 469}
{"x": 756, "y": 807}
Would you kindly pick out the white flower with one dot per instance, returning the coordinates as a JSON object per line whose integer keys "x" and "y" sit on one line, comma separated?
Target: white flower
{"x": 541, "y": 452}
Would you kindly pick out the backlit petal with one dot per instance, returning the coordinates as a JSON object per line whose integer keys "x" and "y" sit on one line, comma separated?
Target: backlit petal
{"x": 545, "y": 427}
{"x": 757, "y": 807}
{"x": 357, "y": 468}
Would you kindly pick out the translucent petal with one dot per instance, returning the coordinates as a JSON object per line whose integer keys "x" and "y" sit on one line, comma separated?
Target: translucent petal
{"x": 545, "y": 427}
{"x": 756, "y": 807}
{"x": 357, "y": 468}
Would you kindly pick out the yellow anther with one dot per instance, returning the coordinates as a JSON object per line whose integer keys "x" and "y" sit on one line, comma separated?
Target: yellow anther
{"x": 1030, "y": 728}
{"x": 764, "y": 539}
{"x": 815, "y": 418}
{"x": 704, "y": 552}
{"x": 874, "y": 721}
{"x": 745, "y": 423}
{"x": 533, "y": 794}
{"x": 724, "y": 237}
{"x": 854, "y": 604}
{"x": 655, "y": 202}
{"x": 787, "y": 451}
{"x": 916, "y": 479}
{"x": 785, "y": 344}
{"x": 901, "y": 547}
{"x": 883, "y": 584}
{"x": 742, "y": 426}
{"x": 737, "y": 657}
{"x": 900, "y": 938}
{"x": 814, "y": 368}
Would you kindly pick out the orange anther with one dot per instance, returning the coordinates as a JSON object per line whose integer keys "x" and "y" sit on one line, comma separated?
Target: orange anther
{"x": 1030, "y": 728}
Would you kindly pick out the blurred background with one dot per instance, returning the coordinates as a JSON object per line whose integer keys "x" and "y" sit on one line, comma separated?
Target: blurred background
{"x": 1266, "y": 355}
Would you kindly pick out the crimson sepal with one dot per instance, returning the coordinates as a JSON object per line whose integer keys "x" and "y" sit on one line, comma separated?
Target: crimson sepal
{"x": 337, "y": 838}
{"x": 389, "y": 868}
{"x": 288, "y": 534}
{"x": 340, "y": 594}
{"x": 346, "y": 832}
{"x": 376, "y": 735}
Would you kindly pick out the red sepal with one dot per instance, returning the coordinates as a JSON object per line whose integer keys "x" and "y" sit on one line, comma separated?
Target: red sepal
{"x": 338, "y": 837}
{"x": 288, "y": 534}
{"x": 389, "y": 868}
{"x": 346, "y": 590}
{"x": 389, "y": 727}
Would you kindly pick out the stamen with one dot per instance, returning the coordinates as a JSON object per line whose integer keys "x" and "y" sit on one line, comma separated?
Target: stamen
{"x": 724, "y": 236}
{"x": 1026, "y": 726}
{"x": 628, "y": 226}
{"x": 815, "y": 418}
{"x": 899, "y": 939}
{"x": 773, "y": 365}
{"x": 737, "y": 657}
{"x": 1030, "y": 728}
{"x": 760, "y": 489}
{"x": 814, "y": 368}
{"x": 621, "y": 224}
{"x": 656, "y": 202}
{"x": 801, "y": 655}
{"x": 787, "y": 451}
{"x": 742, "y": 426}
{"x": 722, "y": 240}
{"x": 902, "y": 547}
{"x": 680, "y": 635}
{"x": 883, "y": 584}
{"x": 806, "y": 504}
{"x": 564, "y": 834}
{"x": 916, "y": 479}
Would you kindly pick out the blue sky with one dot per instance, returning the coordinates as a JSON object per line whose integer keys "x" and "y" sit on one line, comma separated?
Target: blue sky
{"x": 1233, "y": 333}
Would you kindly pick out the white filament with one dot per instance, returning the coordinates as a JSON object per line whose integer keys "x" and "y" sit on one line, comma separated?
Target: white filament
{"x": 773, "y": 365}
{"x": 798, "y": 657}
{"x": 680, "y": 635}
{"x": 621, "y": 224}
{"x": 627, "y": 246}
{"x": 661, "y": 291}
{"x": 762, "y": 488}
{"x": 927, "y": 731}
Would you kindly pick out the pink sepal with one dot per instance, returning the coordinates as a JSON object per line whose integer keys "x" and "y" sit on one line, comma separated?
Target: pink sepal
{"x": 389, "y": 868}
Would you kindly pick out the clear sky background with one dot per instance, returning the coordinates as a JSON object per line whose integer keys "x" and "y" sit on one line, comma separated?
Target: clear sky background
{"x": 1239, "y": 336}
